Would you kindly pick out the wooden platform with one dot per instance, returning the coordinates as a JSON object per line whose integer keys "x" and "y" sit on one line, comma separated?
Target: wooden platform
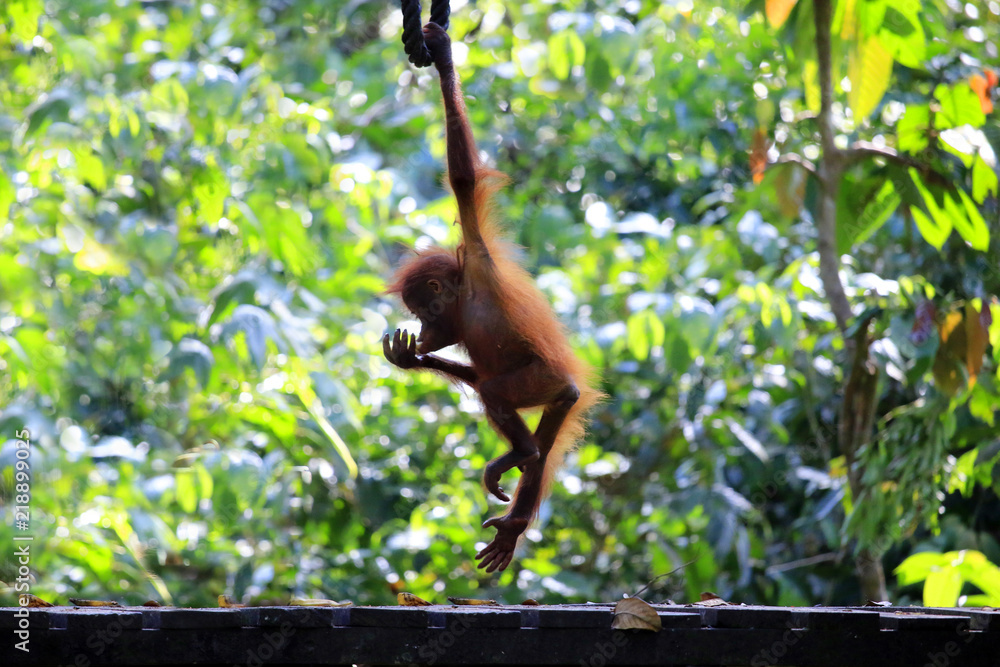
{"x": 578, "y": 635}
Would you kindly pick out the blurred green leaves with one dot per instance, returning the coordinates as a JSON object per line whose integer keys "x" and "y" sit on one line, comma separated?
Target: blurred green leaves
{"x": 944, "y": 574}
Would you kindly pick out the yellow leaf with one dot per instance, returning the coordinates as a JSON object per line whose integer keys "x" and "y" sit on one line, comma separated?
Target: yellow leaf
{"x": 777, "y": 11}
{"x": 846, "y": 19}
{"x": 942, "y": 587}
{"x": 869, "y": 70}
{"x": 810, "y": 82}
{"x": 96, "y": 258}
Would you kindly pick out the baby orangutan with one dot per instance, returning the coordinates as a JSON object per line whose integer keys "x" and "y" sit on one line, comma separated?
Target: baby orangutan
{"x": 479, "y": 297}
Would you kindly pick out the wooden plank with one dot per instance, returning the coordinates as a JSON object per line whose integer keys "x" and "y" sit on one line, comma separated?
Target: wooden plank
{"x": 38, "y": 619}
{"x": 92, "y": 620}
{"x": 673, "y": 619}
{"x": 452, "y": 617}
{"x": 303, "y": 617}
{"x": 468, "y": 636}
{"x": 913, "y": 621}
{"x": 574, "y": 617}
{"x": 571, "y": 646}
{"x": 199, "y": 619}
{"x": 986, "y": 620}
{"x": 840, "y": 621}
{"x": 389, "y": 617}
{"x": 748, "y": 617}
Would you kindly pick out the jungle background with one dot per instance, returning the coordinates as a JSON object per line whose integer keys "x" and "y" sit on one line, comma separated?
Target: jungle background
{"x": 201, "y": 202}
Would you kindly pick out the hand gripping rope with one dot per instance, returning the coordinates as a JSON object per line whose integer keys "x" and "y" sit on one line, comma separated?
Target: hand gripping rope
{"x": 413, "y": 34}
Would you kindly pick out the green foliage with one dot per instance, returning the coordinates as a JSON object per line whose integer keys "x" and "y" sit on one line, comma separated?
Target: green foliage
{"x": 201, "y": 204}
{"x": 945, "y": 574}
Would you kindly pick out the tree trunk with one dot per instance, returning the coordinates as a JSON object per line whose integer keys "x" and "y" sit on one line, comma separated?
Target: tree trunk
{"x": 861, "y": 381}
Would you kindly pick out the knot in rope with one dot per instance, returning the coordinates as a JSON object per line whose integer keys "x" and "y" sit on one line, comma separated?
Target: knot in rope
{"x": 413, "y": 34}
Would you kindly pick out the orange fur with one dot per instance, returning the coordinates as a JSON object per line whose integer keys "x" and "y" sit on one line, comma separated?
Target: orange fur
{"x": 425, "y": 263}
{"x": 526, "y": 307}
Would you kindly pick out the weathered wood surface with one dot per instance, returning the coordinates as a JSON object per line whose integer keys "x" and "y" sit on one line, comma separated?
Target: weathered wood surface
{"x": 544, "y": 635}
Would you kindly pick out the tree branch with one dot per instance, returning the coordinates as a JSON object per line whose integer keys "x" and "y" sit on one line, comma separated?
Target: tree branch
{"x": 821, "y": 17}
{"x": 861, "y": 150}
{"x": 795, "y": 158}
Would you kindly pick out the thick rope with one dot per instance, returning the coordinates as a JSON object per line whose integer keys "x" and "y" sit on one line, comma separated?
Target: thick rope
{"x": 413, "y": 34}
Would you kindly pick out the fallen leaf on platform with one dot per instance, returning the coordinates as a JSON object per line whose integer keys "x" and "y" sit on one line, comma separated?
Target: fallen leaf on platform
{"x": 531, "y": 602}
{"x": 473, "y": 603}
{"x": 710, "y": 600}
{"x": 714, "y": 602}
{"x": 94, "y": 603}
{"x": 35, "y": 601}
{"x": 636, "y": 614}
{"x": 317, "y": 602}
{"x": 228, "y": 602}
{"x": 151, "y": 603}
{"x": 411, "y": 600}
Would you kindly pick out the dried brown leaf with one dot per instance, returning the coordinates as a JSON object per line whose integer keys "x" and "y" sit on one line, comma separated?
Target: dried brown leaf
{"x": 473, "y": 603}
{"x": 758, "y": 155}
{"x": 411, "y": 600}
{"x": 977, "y": 335}
{"x": 35, "y": 601}
{"x": 951, "y": 353}
{"x": 709, "y": 599}
{"x": 636, "y": 614}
